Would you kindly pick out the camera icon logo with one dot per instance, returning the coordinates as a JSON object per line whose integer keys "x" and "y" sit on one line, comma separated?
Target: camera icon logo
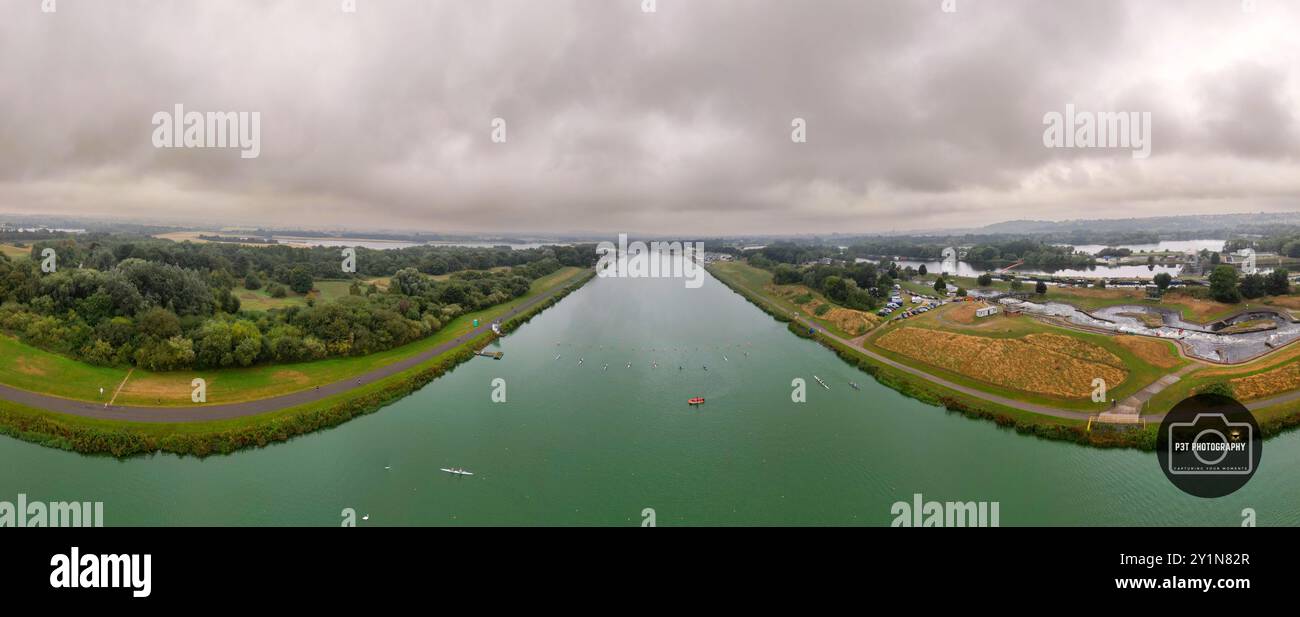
{"x": 1209, "y": 445}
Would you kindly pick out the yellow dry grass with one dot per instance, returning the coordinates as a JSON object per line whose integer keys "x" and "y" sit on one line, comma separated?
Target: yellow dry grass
{"x": 1155, "y": 353}
{"x": 1016, "y": 364}
{"x": 1281, "y": 379}
{"x": 296, "y": 377}
{"x": 1071, "y": 346}
{"x": 847, "y": 320}
{"x": 28, "y": 366}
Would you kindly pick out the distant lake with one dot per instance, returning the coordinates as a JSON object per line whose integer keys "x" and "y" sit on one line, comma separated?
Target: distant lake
{"x": 965, "y": 269}
{"x": 399, "y": 244}
{"x": 1181, "y": 246}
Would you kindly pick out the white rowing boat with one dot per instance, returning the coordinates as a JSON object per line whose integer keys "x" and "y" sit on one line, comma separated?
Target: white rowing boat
{"x": 457, "y": 471}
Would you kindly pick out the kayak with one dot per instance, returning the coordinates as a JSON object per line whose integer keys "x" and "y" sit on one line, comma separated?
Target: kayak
{"x": 459, "y": 472}
{"x": 696, "y": 401}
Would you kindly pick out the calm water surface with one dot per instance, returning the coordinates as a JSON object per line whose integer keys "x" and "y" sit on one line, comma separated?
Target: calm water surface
{"x": 578, "y": 444}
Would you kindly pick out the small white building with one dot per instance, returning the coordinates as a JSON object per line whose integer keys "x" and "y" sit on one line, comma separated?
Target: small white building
{"x": 986, "y": 311}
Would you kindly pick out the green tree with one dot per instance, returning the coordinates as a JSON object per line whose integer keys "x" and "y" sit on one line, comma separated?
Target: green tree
{"x": 1223, "y": 284}
{"x": 1279, "y": 282}
{"x": 252, "y": 282}
{"x": 940, "y": 286}
{"x": 1040, "y": 288}
{"x": 985, "y": 280}
{"x": 1253, "y": 286}
{"x": 300, "y": 279}
{"x": 1162, "y": 280}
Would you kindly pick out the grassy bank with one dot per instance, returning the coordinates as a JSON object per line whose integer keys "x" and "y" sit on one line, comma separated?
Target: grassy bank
{"x": 957, "y": 402}
{"x": 26, "y": 367}
{"x": 123, "y": 439}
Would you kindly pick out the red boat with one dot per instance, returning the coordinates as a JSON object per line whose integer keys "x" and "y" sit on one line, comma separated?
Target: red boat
{"x": 699, "y": 400}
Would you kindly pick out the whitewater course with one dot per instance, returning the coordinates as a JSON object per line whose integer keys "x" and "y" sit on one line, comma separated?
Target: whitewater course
{"x": 1203, "y": 341}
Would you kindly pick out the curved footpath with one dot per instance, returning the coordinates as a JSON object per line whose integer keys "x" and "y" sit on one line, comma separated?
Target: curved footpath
{"x": 200, "y": 413}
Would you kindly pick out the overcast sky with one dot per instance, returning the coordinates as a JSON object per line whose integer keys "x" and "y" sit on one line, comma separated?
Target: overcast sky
{"x": 676, "y": 121}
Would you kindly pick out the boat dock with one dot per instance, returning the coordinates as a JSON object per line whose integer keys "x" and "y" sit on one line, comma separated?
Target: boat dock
{"x": 495, "y": 355}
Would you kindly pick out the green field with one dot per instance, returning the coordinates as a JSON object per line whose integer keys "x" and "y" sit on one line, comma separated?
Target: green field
{"x": 260, "y": 300}
{"x": 26, "y": 367}
{"x": 15, "y": 252}
{"x": 758, "y": 279}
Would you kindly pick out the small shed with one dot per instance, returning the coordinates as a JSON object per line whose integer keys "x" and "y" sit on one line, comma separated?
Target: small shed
{"x": 986, "y": 311}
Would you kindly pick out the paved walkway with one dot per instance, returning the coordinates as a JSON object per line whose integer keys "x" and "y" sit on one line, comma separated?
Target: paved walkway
{"x": 200, "y": 413}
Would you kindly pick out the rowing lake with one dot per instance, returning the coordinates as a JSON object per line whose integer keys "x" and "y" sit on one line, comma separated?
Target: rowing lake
{"x": 577, "y": 444}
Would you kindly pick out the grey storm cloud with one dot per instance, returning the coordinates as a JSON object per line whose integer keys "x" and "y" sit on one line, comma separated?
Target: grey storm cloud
{"x": 676, "y": 121}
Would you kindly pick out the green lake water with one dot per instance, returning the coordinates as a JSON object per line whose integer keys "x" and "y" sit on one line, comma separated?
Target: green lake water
{"x": 578, "y": 445}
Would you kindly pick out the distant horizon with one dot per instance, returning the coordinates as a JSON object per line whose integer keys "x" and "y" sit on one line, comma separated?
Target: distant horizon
{"x": 358, "y": 231}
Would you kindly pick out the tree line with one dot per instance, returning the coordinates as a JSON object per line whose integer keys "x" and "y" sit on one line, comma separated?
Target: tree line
{"x": 163, "y": 306}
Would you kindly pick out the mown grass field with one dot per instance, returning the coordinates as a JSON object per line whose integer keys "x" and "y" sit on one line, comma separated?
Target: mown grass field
{"x": 26, "y": 367}
{"x": 15, "y": 252}
{"x": 1025, "y": 359}
{"x": 836, "y": 320}
{"x": 260, "y": 300}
